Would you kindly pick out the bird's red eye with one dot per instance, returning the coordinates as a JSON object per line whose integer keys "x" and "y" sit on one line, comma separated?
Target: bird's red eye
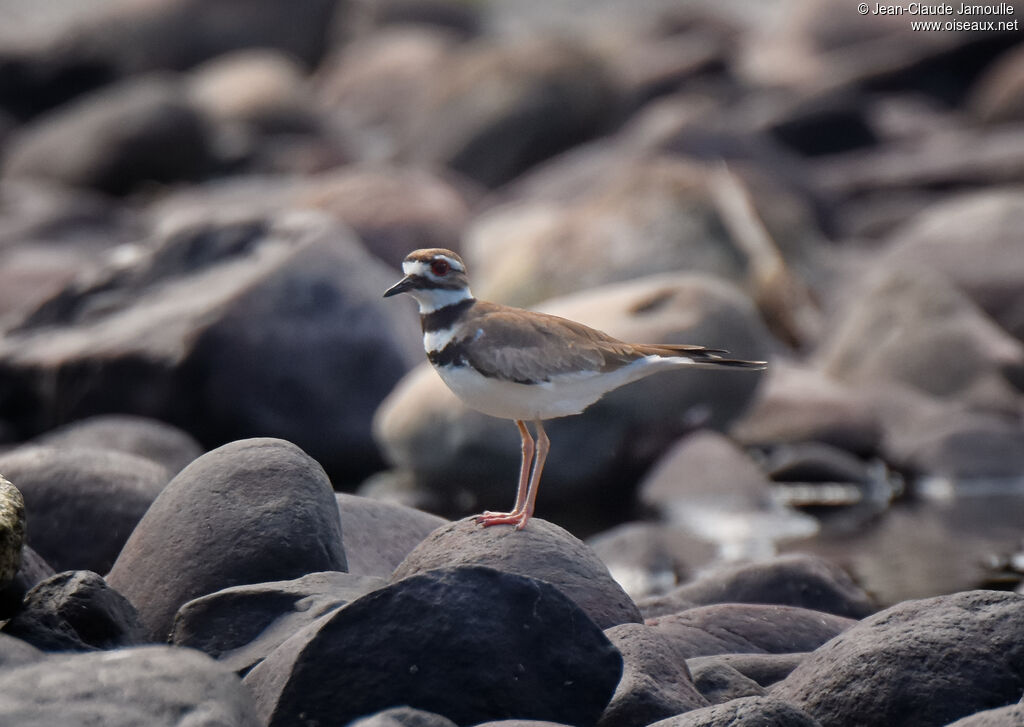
{"x": 439, "y": 268}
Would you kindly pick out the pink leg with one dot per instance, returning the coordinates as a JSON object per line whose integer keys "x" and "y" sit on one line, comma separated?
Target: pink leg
{"x": 527, "y": 449}
{"x": 524, "y": 505}
{"x": 543, "y": 445}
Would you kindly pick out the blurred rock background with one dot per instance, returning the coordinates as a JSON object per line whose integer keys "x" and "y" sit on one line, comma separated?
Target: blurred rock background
{"x": 201, "y": 202}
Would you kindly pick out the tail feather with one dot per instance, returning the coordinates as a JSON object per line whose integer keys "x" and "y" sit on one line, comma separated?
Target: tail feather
{"x": 707, "y": 357}
{"x": 736, "y": 363}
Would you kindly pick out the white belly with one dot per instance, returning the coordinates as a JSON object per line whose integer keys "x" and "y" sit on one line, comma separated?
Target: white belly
{"x": 564, "y": 395}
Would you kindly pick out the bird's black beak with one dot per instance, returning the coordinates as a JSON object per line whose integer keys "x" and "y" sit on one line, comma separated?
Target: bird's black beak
{"x": 400, "y": 287}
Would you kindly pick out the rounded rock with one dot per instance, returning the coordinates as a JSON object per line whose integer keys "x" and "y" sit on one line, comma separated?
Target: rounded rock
{"x": 514, "y": 646}
{"x": 75, "y": 611}
{"x": 806, "y": 581}
{"x": 541, "y": 550}
{"x": 115, "y": 139}
{"x": 743, "y": 628}
{"x": 380, "y": 534}
{"x": 403, "y": 717}
{"x": 656, "y": 682}
{"x": 158, "y": 441}
{"x": 953, "y": 655}
{"x": 743, "y": 712}
{"x": 241, "y": 625}
{"x": 158, "y": 686}
{"x": 251, "y": 511}
{"x": 12, "y": 530}
{"x": 81, "y": 503}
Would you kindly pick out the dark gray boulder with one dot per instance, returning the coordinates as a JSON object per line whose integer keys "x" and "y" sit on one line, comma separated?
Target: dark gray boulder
{"x": 718, "y": 683}
{"x": 541, "y": 550}
{"x": 32, "y": 570}
{"x": 252, "y": 511}
{"x": 229, "y": 325}
{"x": 973, "y": 239}
{"x": 15, "y": 652}
{"x": 924, "y": 662}
{"x": 82, "y": 503}
{"x": 379, "y": 535}
{"x": 764, "y": 669}
{"x": 158, "y": 441}
{"x": 76, "y": 611}
{"x": 740, "y": 628}
{"x": 916, "y": 315}
{"x": 960, "y": 444}
{"x": 1009, "y": 716}
{"x": 12, "y": 531}
{"x": 801, "y": 580}
{"x": 403, "y": 717}
{"x": 560, "y": 96}
{"x": 50, "y": 235}
{"x": 800, "y": 404}
{"x": 157, "y": 686}
{"x": 241, "y": 625}
{"x": 655, "y": 680}
{"x": 744, "y": 712}
{"x": 79, "y": 49}
{"x": 393, "y": 209}
{"x": 470, "y": 643}
{"x": 178, "y": 34}
{"x": 141, "y": 130}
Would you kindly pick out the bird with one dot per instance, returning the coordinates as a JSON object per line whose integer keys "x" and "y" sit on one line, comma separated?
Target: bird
{"x": 526, "y": 366}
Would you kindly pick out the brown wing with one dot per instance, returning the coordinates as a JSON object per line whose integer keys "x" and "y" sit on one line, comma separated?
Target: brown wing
{"x": 533, "y": 347}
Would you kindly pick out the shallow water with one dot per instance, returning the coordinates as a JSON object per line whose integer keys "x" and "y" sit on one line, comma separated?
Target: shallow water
{"x": 948, "y": 536}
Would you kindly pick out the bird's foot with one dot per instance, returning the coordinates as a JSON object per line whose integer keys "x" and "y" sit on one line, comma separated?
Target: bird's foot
{"x": 489, "y": 518}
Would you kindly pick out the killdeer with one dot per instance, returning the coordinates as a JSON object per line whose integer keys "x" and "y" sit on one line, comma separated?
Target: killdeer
{"x": 526, "y": 366}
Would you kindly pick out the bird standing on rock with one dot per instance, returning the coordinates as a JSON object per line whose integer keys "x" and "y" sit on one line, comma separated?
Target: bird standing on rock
{"x": 526, "y": 366}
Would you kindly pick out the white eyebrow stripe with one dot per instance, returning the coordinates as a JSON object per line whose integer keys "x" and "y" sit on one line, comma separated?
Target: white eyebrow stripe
{"x": 415, "y": 267}
{"x": 422, "y": 267}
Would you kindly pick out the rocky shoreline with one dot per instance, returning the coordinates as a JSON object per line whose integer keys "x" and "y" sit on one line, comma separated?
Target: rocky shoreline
{"x": 226, "y": 606}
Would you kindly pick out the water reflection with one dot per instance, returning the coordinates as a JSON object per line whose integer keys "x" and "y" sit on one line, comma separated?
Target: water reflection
{"x": 943, "y": 537}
